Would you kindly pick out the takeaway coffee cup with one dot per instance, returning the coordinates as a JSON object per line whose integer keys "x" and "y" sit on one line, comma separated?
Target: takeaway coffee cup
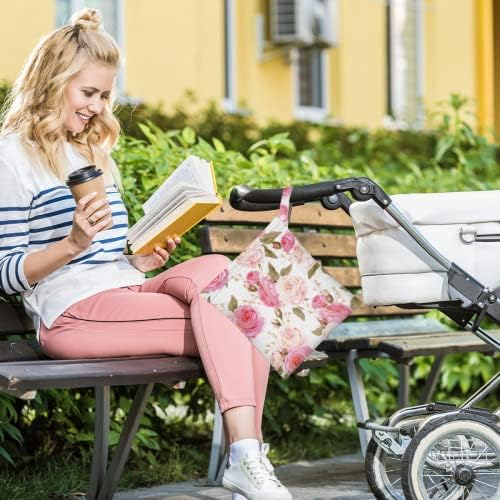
{"x": 87, "y": 180}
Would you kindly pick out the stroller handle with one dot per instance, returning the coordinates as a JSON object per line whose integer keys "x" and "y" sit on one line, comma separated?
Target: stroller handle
{"x": 331, "y": 195}
{"x": 245, "y": 198}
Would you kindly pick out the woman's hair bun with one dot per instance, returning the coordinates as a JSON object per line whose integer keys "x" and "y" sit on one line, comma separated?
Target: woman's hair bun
{"x": 87, "y": 19}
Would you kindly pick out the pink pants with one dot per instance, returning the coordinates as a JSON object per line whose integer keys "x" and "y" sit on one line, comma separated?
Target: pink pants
{"x": 166, "y": 315}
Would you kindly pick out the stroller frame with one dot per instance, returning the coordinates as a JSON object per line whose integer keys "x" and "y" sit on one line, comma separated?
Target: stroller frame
{"x": 470, "y": 301}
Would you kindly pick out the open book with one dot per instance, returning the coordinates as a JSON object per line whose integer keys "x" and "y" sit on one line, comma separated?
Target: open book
{"x": 184, "y": 199}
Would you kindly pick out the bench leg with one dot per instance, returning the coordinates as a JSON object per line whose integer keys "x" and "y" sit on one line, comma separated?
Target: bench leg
{"x": 404, "y": 385}
{"x": 125, "y": 443}
{"x": 432, "y": 381}
{"x": 358, "y": 397}
{"x": 217, "y": 454}
{"x": 101, "y": 425}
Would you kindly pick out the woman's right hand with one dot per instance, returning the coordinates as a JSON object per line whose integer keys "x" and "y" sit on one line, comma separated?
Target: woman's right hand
{"x": 87, "y": 210}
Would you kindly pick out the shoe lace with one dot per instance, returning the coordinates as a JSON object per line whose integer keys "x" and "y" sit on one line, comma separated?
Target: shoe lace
{"x": 264, "y": 450}
{"x": 257, "y": 470}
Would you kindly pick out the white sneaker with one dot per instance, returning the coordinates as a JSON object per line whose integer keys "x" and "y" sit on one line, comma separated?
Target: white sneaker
{"x": 251, "y": 478}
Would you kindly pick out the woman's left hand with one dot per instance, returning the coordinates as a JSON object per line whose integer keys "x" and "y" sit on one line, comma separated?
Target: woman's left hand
{"x": 156, "y": 259}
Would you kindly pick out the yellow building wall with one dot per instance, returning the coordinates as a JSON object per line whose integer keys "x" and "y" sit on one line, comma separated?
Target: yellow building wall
{"x": 358, "y": 66}
{"x": 264, "y": 87}
{"x": 496, "y": 51}
{"x": 27, "y": 21}
{"x": 267, "y": 87}
{"x": 449, "y": 50}
{"x": 172, "y": 46}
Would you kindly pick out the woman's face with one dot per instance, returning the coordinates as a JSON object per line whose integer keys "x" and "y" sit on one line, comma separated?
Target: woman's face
{"x": 86, "y": 95}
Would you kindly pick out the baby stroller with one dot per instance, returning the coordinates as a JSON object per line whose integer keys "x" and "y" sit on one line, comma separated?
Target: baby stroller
{"x": 435, "y": 451}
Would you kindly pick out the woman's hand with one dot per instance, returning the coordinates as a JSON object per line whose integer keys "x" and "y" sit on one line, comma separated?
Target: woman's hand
{"x": 158, "y": 258}
{"x": 89, "y": 218}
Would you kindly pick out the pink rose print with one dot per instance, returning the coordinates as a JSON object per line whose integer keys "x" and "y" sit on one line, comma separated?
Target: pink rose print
{"x": 334, "y": 313}
{"x": 248, "y": 320}
{"x": 267, "y": 292}
{"x": 218, "y": 282}
{"x": 253, "y": 277}
{"x": 318, "y": 301}
{"x": 277, "y": 360}
{"x": 288, "y": 242}
{"x": 252, "y": 256}
{"x": 283, "y": 213}
{"x": 293, "y": 289}
{"x": 291, "y": 337}
{"x": 295, "y": 357}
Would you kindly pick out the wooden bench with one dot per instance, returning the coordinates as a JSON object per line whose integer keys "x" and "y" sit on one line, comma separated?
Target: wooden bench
{"x": 24, "y": 369}
{"x": 387, "y": 332}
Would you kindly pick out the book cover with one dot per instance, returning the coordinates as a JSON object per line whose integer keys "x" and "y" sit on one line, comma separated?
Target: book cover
{"x": 184, "y": 199}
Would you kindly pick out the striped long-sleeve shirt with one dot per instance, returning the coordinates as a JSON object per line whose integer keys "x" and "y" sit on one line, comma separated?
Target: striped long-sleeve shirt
{"x": 36, "y": 209}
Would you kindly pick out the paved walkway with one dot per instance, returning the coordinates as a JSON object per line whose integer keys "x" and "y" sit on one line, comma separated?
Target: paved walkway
{"x": 333, "y": 478}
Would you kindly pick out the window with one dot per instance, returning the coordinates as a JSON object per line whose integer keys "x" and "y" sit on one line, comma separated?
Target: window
{"x": 405, "y": 69}
{"x": 310, "y": 84}
{"x": 229, "y": 101}
{"x": 112, "y": 19}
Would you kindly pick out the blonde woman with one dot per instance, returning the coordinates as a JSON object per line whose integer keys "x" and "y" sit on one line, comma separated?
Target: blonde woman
{"x": 86, "y": 297}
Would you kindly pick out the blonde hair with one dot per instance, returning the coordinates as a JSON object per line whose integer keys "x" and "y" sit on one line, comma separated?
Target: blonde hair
{"x": 35, "y": 107}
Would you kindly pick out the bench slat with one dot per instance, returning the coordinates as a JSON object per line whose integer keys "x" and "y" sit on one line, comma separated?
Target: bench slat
{"x": 410, "y": 345}
{"x": 59, "y": 374}
{"x": 20, "y": 350}
{"x": 365, "y": 310}
{"x": 387, "y": 328}
{"x": 444, "y": 343}
{"x": 234, "y": 241}
{"x": 311, "y": 214}
{"x": 347, "y": 276}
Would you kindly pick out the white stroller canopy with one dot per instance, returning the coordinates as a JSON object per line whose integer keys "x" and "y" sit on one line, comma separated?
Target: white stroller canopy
{"x": 395, "y": 270}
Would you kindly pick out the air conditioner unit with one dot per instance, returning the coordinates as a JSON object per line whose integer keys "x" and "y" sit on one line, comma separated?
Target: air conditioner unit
{"x": 304, "y": 22}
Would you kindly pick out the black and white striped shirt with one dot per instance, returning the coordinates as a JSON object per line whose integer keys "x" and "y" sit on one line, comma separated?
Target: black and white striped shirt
{"x": 36, "y": 209}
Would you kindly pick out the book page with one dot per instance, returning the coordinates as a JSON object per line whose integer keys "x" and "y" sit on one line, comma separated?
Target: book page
{"x": 179, "y": 196}
{"x": 193, "y": 171}
{"x": 180, "y": 216}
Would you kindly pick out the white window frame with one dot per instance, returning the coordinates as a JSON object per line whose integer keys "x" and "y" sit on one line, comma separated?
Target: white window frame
{"x": 310, "y": 113}
{"x": 229, "y": 101}
{"x": 75, "y": 5}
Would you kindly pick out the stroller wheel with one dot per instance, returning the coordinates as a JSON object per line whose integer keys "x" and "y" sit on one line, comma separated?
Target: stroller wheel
{"x": 454, "y": 457}
{"x": 383, "y": 470}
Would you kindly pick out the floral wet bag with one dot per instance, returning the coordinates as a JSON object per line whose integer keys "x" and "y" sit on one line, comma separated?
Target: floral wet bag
{"x": 279, "y": 296}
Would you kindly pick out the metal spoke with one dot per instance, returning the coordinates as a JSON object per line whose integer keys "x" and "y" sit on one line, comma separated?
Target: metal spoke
{"x": 480, "y": 492}
{"x": 439, "y": 484}
{"x": 482, "y": 482}
{"x": 486, "y": 446}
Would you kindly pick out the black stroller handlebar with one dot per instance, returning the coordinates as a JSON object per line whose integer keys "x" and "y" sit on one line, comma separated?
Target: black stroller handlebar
{"x": 330, "y": 193}
{"x": 243, "y": 197}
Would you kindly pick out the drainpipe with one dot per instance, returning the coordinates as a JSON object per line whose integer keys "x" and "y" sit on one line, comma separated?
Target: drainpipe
{"x": 484, "y": 66}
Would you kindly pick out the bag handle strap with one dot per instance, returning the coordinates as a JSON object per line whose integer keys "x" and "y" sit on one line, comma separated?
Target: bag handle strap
{"x": 285, "y": 206}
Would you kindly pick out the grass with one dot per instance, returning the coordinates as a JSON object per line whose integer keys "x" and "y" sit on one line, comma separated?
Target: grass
{"x": 63, "y": 478}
